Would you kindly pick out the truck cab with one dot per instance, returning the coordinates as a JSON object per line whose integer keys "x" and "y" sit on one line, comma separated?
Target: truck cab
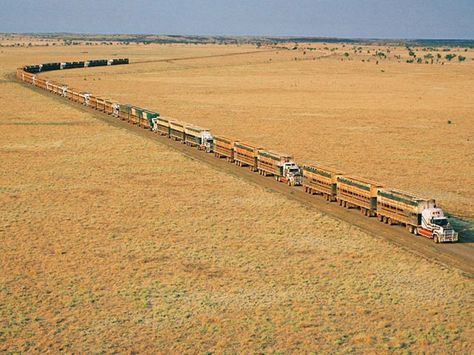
{"x": 435, "y": 225}
{"x": 207, "y": 142}
{"x": 292, "y": 173}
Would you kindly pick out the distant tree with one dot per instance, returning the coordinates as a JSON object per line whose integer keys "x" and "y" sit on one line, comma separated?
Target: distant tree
{"x": 419, "y": 60}
{"x": 461, "y": 58}
{"x": 346, "y": 54}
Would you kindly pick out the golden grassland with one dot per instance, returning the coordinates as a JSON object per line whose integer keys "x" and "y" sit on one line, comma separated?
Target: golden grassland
{"x": 111, "y": 242}
{"x": 408, "y": 126}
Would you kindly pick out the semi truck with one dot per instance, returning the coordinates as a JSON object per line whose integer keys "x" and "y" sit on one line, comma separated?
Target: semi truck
{"x": 358, "y": 193}
{"x": 224, "y": 147}
{"x": 84, "y": 98}
{"x": 279, "y": 165}
{"x": 199, "y": 137}
{"x": 177, "y": 131}
{"x": 322, "y": 180}
{"x": 148, "y": 119}
{"x": 419, "y": 215}
{"x": 245, "y": 154}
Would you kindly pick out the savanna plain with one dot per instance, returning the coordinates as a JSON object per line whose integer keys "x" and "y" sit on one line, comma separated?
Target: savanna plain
{"x": 112, "y": 242}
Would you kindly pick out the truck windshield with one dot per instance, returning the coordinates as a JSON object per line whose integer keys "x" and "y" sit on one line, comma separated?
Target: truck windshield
{"x": 440, "y": 221}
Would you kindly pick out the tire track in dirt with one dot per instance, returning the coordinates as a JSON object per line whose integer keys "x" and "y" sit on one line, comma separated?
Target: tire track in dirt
{"x": 201, "y": 57}
{"x": 459, "y": 255}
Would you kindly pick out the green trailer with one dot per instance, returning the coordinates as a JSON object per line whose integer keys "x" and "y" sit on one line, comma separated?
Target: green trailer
{"x": 124, "y": 112}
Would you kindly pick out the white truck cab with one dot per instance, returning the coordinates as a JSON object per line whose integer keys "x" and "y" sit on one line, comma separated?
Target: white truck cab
{"x": 292, "y": 173}
{"x": 207, "y": 141}
{"x": 434, "y": 224}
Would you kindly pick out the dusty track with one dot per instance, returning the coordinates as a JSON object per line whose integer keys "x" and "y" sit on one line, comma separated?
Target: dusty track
{"x": 460, "y": 255}
{"x": 200, "y": 57}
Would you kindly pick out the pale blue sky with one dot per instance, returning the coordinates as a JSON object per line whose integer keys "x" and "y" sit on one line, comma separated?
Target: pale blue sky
{"x": 453, "y": 19}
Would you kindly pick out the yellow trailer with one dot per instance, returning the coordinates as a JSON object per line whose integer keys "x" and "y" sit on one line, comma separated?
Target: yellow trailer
{"x": 70, "y": 94}
{"x": 177, "y": 130}
{"x": 224, "y": 147}
{"x": 101, "y": 104}
{"x": 359, "y": 193}
{"x": 109, "y": 107}
{"x": 246, "y": 155}
{"x": 399, "y": 207}
{"x": 92, "y": 101}
{"x": 163, "y": 126}
{"x": 321, "y": 180}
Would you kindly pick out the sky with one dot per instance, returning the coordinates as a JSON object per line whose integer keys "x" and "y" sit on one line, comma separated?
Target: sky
{"x": 401, "y": 19}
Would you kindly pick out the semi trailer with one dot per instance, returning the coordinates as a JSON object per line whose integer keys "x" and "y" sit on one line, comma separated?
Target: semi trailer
{"x": 177, "y": 131}
{"x": 224, "y": 147}
{"x": 321, "y": 180}
{"x": 358, "y": 193}
{"x": 101, "y": 104}
{"x": 135, "y": 114}
{"x": 162, "y": 126}
{"x": 124, "y": 112}
{"x": 246, "y": 154}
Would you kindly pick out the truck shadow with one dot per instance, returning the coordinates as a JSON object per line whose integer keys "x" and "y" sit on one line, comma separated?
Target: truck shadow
{"x": 465, "y": 229}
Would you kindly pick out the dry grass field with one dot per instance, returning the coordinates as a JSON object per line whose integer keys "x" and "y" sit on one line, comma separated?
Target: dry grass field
{"x": 387, "y": 121}
{"x": 111, "y": 242}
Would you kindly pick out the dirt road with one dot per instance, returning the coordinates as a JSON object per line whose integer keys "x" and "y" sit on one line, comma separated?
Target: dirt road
{"x": 459, "y": 255}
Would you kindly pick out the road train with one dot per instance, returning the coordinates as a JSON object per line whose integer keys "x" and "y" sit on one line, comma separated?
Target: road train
{"x": 420, "y": 216}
